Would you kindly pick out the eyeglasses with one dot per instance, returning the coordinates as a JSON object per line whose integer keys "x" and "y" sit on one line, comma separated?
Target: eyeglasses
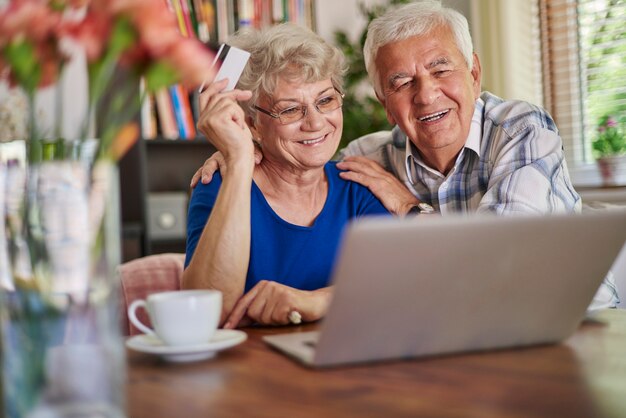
{"x": 293, "y": 114}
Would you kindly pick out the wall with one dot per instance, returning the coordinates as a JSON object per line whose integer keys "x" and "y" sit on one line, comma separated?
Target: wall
{"x": 344, "y": 15}
{"x": 506, "y": 38}
{"x": 332, "y": 15}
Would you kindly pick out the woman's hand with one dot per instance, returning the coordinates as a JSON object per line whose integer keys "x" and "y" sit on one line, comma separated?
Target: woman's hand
{"x": 270, "y": 303}
{"x": 222, "y": 121}
{"x": 396, "y": 198}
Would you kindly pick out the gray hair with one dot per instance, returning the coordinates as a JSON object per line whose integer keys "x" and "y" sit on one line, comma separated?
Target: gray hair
{"x": 414, "y": 19}
{"x": 287, "y": 51}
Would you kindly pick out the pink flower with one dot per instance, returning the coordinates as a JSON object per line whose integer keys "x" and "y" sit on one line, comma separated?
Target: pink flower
{"x": 32, "y": 20}
{"x": 192, "y": 60}
{"x": 65, "y": 4}
{"x": 161, "y": 40}
{"x": 157, "y": 30}
{"x": 130, "y": 7}
{"x": 611, "y": 123}
{"x": 92, "y": 33}
{"x": 32, "y": 25}
{"x": 50, "y": 59}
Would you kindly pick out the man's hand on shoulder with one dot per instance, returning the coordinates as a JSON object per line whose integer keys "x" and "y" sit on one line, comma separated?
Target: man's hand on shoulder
{"x": 216, "y": 162}
{"x": 396, "y": 198}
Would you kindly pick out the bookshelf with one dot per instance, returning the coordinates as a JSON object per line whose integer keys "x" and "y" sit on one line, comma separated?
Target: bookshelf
{"x": 156, "y": 172}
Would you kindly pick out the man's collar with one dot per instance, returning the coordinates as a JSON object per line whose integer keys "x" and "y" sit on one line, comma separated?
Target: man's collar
{"x": 476, "y": 127}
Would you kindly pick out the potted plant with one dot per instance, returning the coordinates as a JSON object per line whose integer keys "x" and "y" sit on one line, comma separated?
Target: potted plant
{"x": 610, "y": 150}
{"x": 362, "y": 113}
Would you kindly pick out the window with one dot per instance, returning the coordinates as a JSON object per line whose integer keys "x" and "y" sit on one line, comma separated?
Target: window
{"x": 584, "y": 68}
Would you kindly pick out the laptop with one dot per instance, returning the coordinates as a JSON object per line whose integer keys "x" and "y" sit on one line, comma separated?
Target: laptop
{"x": 431, "y": 286}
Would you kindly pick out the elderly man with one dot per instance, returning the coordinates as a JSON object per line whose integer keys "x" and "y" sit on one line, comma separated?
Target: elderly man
{"x": 453, "y": 149}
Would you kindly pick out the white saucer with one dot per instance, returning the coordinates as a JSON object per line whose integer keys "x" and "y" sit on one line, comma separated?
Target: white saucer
{"x": 222, "y": 339}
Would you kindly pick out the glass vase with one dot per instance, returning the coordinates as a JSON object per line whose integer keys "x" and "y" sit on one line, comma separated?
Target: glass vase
{"x": 62, "y": 350}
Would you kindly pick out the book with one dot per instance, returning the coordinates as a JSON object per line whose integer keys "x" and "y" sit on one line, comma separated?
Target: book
{"x": 147, "y": 114}
{"x": 190, "y": 123}
{"x": 148, "y": 118}
{"x": 263, "y": 12}
{"x": 178, "y": 112}
{"x": 165, "y": 113}
{"x": 206, "y": 20}
{"x": 178, "y": 11}
{"x": 277, "y": 11}
{"x": 233, "y": 16}
{"x": 246, "y": 13}
{"x": 182, "y": 111}
{"x": 186, "y": 12}
{"x": 222, "y": 20}
{"x": 193, "y": 17}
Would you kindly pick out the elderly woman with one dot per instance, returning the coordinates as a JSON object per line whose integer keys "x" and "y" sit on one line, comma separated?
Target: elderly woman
{"x": 266, "y": 235}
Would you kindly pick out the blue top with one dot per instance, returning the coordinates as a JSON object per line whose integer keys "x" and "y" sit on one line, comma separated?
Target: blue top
{"x": 297, "y": 256}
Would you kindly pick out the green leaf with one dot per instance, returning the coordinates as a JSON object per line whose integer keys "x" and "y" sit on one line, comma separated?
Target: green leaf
{"x": 159, "y": 75}
{"x": 25, "y": 68}
{"x": 123, "y": 36}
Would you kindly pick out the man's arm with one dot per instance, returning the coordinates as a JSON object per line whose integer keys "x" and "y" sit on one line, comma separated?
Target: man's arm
{"x": 376, "y": 161}
{"x": 394, "y": 195}
{"x": 529, "y": 175}
{"x": 214, "y": 163}
{"x": 371, "y": 146}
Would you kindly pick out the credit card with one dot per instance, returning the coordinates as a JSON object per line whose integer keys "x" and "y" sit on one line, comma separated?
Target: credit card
{"x": 231, "y": 61}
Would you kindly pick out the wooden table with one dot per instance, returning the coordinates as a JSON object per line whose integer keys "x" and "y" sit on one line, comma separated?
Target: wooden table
{"x": 583, "y": 377}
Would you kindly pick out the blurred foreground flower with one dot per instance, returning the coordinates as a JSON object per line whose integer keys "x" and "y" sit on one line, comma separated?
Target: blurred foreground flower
{"x": 123, "y": 41}
{"x": 139, "y": 36}
{"x": 61, "y": 351}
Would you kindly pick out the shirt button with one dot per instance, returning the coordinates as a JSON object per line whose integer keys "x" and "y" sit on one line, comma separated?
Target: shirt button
{"x": 444, "y": 186}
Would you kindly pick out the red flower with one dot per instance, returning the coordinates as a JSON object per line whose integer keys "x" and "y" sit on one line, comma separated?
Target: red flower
{"x": 32, "y": 20}
{"x": 192, "y": 60}
{"x": 92, "y": 33}
{"x": 30, "y": 33}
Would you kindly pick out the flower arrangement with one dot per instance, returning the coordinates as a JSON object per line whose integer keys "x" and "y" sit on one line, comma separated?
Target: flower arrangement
{"x": 611, "y": 138}
{"x": 139, "y": 39}
{"x": 58, "y": 306}
{"x": 139, "y": 36}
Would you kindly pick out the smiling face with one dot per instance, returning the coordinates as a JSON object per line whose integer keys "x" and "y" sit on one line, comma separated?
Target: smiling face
{"x": 308, "y": 143}
{"x": 428, "y": 90}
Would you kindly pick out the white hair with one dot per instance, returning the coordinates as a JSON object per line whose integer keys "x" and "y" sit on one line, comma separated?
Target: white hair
{"x": 409, "y": 20}
{"x": 287, "y": 51}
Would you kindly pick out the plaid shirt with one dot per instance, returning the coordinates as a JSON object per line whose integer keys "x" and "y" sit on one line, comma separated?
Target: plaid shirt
{"x": 512, "y": 162}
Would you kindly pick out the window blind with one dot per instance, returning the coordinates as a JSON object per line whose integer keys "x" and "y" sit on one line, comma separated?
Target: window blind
{"x": 583, "y": 46}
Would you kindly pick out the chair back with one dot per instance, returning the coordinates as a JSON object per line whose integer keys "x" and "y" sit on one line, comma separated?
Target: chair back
{"x": 144, "y": 276}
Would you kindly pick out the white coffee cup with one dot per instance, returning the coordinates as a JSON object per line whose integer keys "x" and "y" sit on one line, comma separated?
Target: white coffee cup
{"x": 184, "y": 317}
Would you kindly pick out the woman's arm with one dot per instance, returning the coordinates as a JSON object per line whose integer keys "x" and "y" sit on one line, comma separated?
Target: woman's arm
{"x": 270, "y": 303}
{"x": 220, "y": 260}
